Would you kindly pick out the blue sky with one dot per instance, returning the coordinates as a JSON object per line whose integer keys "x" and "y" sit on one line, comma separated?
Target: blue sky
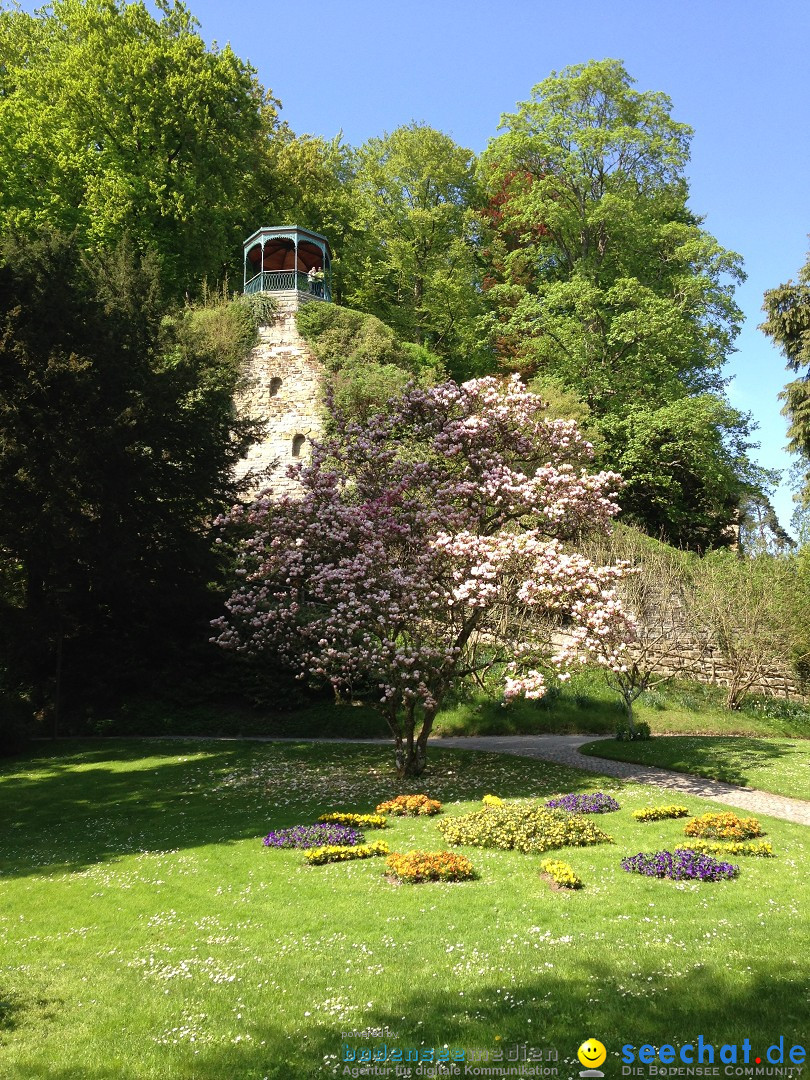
{"x": 737, "y": 72}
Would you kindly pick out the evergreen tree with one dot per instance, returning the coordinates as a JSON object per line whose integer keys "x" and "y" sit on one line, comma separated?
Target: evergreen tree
{"x": 788, "y": 326}
{"x": 117, "y": 441}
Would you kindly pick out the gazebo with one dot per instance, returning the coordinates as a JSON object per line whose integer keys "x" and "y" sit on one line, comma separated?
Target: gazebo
{"x": 287, "y": 258}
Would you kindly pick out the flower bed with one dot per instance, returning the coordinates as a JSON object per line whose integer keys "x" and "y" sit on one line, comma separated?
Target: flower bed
{"x": 312, "y": 836}
{"x": 319, "y": 855}
{"x": 679, "y": 865}
{"x": 758, "y": 848}
{"x": 561, "y": 874}
{"x": 416, "y": 866}
{"x": 593, "y": 803}
{"x": 725, "y": 826}
{"x": 523, "y": 828}
{"x": 492, "y": 800}
{"x": 358, "y": 821}
{"x": 410, "y": 806}
{"x": 659, "y": 813}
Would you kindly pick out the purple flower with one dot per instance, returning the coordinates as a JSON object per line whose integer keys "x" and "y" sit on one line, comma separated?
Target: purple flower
{"x": 310, "y": 836}
{"x": 595, "y": 803}
{"x": 679, "y": 865}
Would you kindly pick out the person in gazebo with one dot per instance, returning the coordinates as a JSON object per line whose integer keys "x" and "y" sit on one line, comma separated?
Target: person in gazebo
{"x": 315, "y": 278}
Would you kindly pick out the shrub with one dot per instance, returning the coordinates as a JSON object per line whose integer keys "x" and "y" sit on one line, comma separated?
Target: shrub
{"x": 522, "y": 828}
{"x": 561, "y": 874}
{"x": 726, "y": 826}
{"x": 492, "y": 800}
{"x": 319, "y": 855}
{"x": 639, "y": 730}
{"x": 418, "y": 866}
{"x": 658, "y": 813}
{"x": 359, "y": 821}
{"x": 366, "y": 362}
{"x": 594, "y": 803}
{"x": 410, "y": 806}
{"x": 679, "y": 865}
{"x": 759, "y": 848}
{"x": 312, "y": 836}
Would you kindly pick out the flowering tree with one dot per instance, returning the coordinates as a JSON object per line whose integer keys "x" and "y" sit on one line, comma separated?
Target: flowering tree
{"x": 427, "y": 543}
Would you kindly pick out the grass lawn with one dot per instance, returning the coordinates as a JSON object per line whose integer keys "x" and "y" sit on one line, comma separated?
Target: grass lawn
{"x": 147, "y": 933}
{"x": 778, "y": 765}
{"x": 585, "y": 705}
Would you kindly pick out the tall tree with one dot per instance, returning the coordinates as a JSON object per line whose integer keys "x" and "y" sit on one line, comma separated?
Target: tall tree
{"x": 415, "y": 267}
{"x": 113, "y": 120}
{"x": 687, "y": 469}
{"x": 600, "y": 276}
{"x": 788, "y": 326}
{"x": 309, "y": 181}
{"x": 117, "y": 442}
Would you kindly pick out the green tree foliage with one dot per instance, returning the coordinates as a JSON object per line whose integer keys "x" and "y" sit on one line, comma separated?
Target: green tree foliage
{"x": 309, "y": 181}
{"x": 415, "y": 266}
{"x": 565, "y": 404}
{"x": 685, "y": 469}
{"x": 113, "y": 120}
{"x": 788, "y": 326}
{"x": 366, "y": 362}
{"x": 601, "y": 278}
{"x": 117, "y": 441}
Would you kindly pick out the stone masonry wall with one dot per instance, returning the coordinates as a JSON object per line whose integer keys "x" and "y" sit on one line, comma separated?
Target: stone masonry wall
{"x": 282, "y": 386}
{"x": 697, "y": 658}
{"x": 703, "y": 661}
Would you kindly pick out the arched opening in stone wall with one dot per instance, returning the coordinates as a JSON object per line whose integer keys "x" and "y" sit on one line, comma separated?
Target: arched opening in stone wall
{"x": 298, "y": 445}
{"x": 275, "y": 385}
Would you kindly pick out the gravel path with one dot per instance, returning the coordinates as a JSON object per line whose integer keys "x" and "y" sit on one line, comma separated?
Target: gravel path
{"x": 565, "y": 750}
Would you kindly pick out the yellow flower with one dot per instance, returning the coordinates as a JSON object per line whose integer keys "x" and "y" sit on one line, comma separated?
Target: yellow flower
{"x": 658, "y": 813}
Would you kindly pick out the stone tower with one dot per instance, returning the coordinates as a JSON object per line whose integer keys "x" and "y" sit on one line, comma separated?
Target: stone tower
{"x": 283, "y": 379}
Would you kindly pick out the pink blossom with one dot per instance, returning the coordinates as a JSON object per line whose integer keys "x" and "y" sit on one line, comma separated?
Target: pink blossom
{"x": 431, "y": 542}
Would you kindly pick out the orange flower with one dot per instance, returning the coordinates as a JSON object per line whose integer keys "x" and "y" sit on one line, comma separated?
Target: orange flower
{"x": 418, "y": 866}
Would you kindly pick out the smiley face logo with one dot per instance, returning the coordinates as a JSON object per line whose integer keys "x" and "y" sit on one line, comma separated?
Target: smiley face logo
{"x": 592, "y": 1053}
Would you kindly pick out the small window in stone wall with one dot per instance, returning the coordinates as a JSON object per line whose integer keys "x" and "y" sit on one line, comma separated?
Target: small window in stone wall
{"x": 275, "y": 386}
{"x": 298, "y": 445}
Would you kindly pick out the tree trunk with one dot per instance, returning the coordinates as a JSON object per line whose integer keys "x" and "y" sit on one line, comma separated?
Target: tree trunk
{"x": 734, "y": 693}
{"x": 411, "y": 762}
{"x": 631, "y": 720}
{"x": 411, "y": 753}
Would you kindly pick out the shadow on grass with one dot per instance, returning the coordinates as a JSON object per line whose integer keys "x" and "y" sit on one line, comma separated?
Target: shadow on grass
{"x": 728, "y": 759}
{"x": 553, "y": 1012}
{"x": 11, "y": 1008}
{"x": 761, "y": 1011}
{"x": 96, "y": 802}
{"x": 88, "y": 803}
